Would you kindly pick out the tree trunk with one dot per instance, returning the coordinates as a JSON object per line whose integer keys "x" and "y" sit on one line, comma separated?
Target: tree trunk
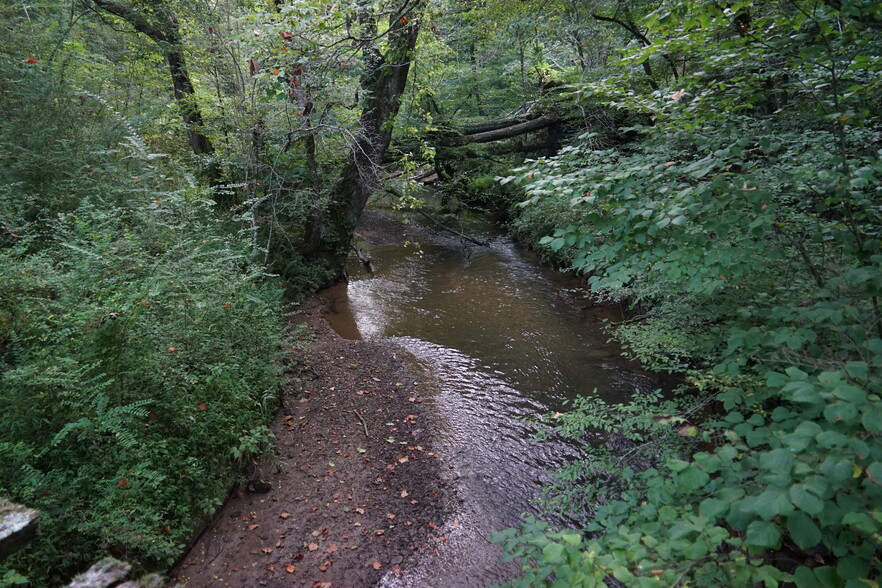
{"x": 161, "y": 26}
{"x": 502, "y": 133}
{"x": 185, "y": 97}
{"x": 382, "y": 85}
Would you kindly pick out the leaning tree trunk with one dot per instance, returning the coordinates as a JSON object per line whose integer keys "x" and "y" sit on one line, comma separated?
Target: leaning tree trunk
{"x": 159, "y": 23}
{"x": 382, "y": 85}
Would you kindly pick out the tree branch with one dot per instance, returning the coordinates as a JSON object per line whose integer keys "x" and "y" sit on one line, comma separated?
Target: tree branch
{"x": 140, "y": 23}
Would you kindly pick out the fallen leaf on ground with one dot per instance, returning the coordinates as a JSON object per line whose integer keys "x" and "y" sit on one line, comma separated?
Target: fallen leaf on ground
{"x": 252, "y": 527}
{"x": 285, "y": 515}
{"x": 331, "y": 548}
{"x": 267, "y": 549}
{"x": 404, "y": 494}
{"x": 313, "y": 546}
{"x": 290, "y": 568}
{"x": 374, "y": 564}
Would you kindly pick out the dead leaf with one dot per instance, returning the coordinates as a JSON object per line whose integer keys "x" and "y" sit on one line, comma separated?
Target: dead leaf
{"x": 313, "y": 546}
{"x": 290, "y": 568}
{"x": 374, "y": 564}
{"x": 404, "y": 494}
{"x": 331, "y": 548}
{"x": 267, "y": 549}
{"x": 402, "y": 459}
{"x": 252, "y": 527}
{"x": 271, "y": 568}
{"x": 379, "y": 532}
{"x": 285, "y": 515}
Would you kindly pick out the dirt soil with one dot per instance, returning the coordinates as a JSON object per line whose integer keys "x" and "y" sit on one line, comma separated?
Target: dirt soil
{"x": 354, "y": 491}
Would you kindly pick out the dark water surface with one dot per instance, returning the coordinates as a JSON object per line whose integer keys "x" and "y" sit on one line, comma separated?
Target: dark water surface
{"x": 499, "y": 341}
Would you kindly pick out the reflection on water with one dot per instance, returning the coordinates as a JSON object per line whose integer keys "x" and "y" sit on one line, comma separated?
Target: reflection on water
{"x": 502, "y": 344}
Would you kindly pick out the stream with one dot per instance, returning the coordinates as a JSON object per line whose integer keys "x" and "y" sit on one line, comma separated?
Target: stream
{"x": 499, "y": 339}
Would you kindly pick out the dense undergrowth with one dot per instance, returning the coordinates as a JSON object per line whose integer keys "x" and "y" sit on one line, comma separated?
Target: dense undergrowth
{"x": 745, "y": 223}
{"x": 138, "y": 341}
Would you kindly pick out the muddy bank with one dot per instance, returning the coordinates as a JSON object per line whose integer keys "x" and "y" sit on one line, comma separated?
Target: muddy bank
{"x": 355, "y": 491}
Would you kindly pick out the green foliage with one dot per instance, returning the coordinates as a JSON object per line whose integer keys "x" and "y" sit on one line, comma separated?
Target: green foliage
{"x": 745, "y": 229}
{"x": 138, "y": 370}
{"x": 138, "y": 339}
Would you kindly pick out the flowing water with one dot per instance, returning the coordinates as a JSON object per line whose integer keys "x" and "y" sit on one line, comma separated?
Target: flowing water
{"x": 501, "y": 341}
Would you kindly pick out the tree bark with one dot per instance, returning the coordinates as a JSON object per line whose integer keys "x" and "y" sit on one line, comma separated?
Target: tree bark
{"x": 163, "y": 30}
{"x": 383, "y": 82}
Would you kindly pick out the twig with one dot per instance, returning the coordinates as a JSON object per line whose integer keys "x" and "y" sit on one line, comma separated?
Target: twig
{"x": 439, "y": 224}
{"x": 363, "y": 424}
{"x": 365, "y": 261}
{"x": 444, "y": 227}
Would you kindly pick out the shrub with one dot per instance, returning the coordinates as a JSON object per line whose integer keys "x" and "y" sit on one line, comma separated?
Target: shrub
{"x": 138, "y": 341}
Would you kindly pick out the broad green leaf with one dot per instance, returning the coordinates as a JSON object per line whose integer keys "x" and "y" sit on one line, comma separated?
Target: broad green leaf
{"x": 763, "y": 534}
{"x": 553, "y": 553}
{"x": 803, "y": 530}
{"x": 771, "y": 503}
{"x": 803, "y": 498}
{"x": 780, "y": 460}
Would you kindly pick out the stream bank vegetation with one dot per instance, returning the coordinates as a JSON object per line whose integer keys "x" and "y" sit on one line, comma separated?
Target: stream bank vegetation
{"x": 744, "y": 221}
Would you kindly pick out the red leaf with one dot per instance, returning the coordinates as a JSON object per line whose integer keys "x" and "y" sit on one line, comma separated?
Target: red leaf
{"x": 286, "y": 35}
{"x": 123, "y": 482}
{"x": 31, "y": 60}
{"x": 202, "y": 406}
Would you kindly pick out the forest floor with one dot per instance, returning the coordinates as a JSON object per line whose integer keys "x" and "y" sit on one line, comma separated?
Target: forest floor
{"x": 354, "y": 491}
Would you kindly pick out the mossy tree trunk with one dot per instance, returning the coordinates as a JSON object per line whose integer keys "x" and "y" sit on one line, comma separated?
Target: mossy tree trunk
{"x": 382, "y": 84}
